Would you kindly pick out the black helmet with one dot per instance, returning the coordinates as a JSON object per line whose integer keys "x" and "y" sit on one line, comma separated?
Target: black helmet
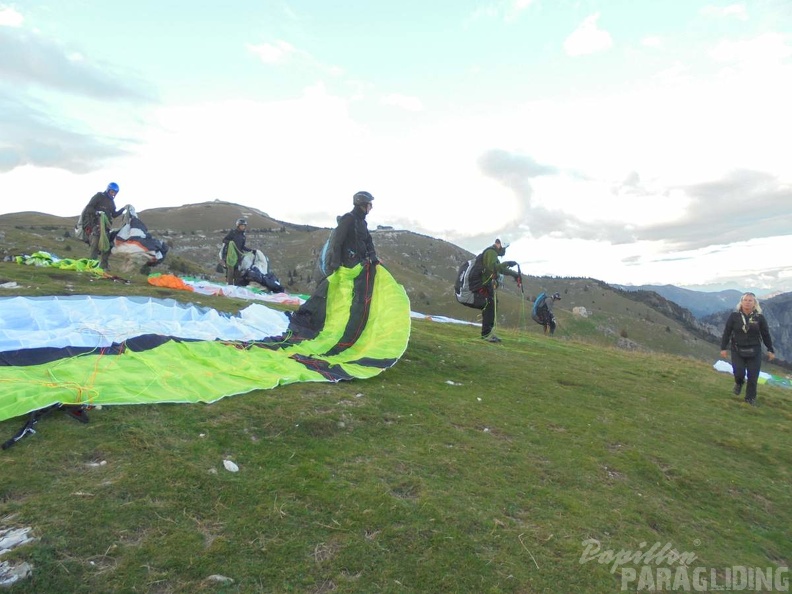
{"x": 242, "y": 221}
{"x": 556, "y": 296}
{"x": 362, "y": 198}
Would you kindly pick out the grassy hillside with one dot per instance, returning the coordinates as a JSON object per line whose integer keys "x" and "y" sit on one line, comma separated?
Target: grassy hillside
{"x": 426, "y": 267}
{"x": 467, "y": 467}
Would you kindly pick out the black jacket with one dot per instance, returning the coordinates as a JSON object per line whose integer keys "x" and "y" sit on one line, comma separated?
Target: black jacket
{"x": 100, "y": 202}
{"x": 746, "y": 331}
{"x": 351, "y": 243}
{"x": 238, "y": 237}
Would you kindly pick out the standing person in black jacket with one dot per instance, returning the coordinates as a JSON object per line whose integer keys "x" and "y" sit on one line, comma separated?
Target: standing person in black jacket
{"x": 746, "y": 329}
{"x": 97, "y": 217}
{"x": 237, "y": 237}
{"x": 351, "y": 243}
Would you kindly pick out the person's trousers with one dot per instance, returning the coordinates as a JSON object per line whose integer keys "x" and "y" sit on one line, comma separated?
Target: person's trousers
{"x": 487, "y": 313}
{"x": 95, "y": 250}
{"x": 750, "y": 366}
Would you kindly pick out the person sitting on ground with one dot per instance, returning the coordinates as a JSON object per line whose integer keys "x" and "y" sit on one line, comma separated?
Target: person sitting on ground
{"x": 746, "y": 329}
{"x": 233, "y": 249}
{"x": 492, "y": 268}
{"x": 542, "y": 313}
{"x": 97, "y": 218}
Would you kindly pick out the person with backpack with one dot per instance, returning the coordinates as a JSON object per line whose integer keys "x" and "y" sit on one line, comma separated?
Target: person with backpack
{"x": 542, "y": 313}
{"x": 483, "y": 282}
{"x": 233, "y": 249}
{"x": 746, "y": 329}
{"x": 350, "y": 243}
{"x": 97, "y": 218}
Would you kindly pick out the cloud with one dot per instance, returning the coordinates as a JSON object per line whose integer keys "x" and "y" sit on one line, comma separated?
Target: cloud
{"x": 31, "y": 60}
{"x": 40, "y": 78}
{"x": 10, "y": 18}
{"x": 273, "y": 53}
{"x": 652, "y": 41}
{"x": 767, "y": 50}
{"x": 588, "y": 38}
{"x": 282, "y": 52}
{"x": 740, "y": 206}
{"x": 403, "y": 102}
{"x": 737, "y": 11}
{"x": 507, "y": 10}
{"x": 28, "y": 136}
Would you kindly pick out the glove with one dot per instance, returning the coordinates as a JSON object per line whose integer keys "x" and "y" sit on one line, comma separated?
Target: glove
{"x": 510, "y": 263}
{"x": 519, "y": 282}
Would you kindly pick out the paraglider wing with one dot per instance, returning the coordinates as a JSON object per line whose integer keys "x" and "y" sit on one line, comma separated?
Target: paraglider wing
{"x": 135, "y": 350}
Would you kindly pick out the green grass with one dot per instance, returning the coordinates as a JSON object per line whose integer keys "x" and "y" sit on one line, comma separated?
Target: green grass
{"x": 467, "y": 467}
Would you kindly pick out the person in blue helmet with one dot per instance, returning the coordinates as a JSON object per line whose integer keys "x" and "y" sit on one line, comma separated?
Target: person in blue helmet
{"x": 97, "y": 218}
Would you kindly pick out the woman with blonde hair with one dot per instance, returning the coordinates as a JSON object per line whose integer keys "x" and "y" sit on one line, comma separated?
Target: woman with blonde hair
{"x": 746, "y": 329}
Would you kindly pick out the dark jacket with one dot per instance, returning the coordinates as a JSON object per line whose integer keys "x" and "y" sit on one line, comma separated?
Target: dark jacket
{"x": 746, "y": 331}
{"x": 238, "y": 237}
{"x": 100, "y": 202}
{"x": 351, "y": 243}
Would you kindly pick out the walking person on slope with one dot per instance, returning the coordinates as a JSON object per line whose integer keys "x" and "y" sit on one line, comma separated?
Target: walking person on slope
{"x": 746, "y": 329}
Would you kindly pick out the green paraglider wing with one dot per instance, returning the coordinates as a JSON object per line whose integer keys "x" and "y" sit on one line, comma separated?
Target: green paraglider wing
{"x": 188, "y": 364}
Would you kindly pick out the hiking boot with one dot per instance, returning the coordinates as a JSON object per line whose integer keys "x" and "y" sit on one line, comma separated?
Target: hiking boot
{"x": 737, "y": 389}
{"x": 491, "y": 338}
{"x": 752, "y": 402}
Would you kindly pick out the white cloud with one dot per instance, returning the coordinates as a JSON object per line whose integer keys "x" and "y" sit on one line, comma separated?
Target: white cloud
{"x": 403, "y": 102}
{"x": 737, "y": 11}
{"x": 588, "y": 38}
{"x": 516, "y": 8}
{"x": 273, "y": 53}
{"x": 10, "y": 18}
{"x": 652, "y": 41}
{"x": 760, "y": 52}
{"x": 507, "y": 10}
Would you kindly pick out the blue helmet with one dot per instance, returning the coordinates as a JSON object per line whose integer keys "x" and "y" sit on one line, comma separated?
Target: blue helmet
{"x": 112, "y": 186}
{"x": 362, "y": 198}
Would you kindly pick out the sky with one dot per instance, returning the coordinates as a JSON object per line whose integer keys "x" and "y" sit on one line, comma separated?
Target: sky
{"x": 631, "y": 141}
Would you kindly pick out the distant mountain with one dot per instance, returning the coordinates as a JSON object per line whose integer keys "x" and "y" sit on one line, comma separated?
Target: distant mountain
{"x": 699, "y": 303}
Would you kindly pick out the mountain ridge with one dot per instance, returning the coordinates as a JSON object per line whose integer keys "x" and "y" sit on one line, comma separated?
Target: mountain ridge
{"x": 424, "y": 265}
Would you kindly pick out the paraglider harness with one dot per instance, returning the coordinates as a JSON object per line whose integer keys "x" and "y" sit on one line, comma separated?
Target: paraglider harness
{"x": 469, "y": 287}
{"x": 246, "y": 267}
{"x": 77, "y": 412}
